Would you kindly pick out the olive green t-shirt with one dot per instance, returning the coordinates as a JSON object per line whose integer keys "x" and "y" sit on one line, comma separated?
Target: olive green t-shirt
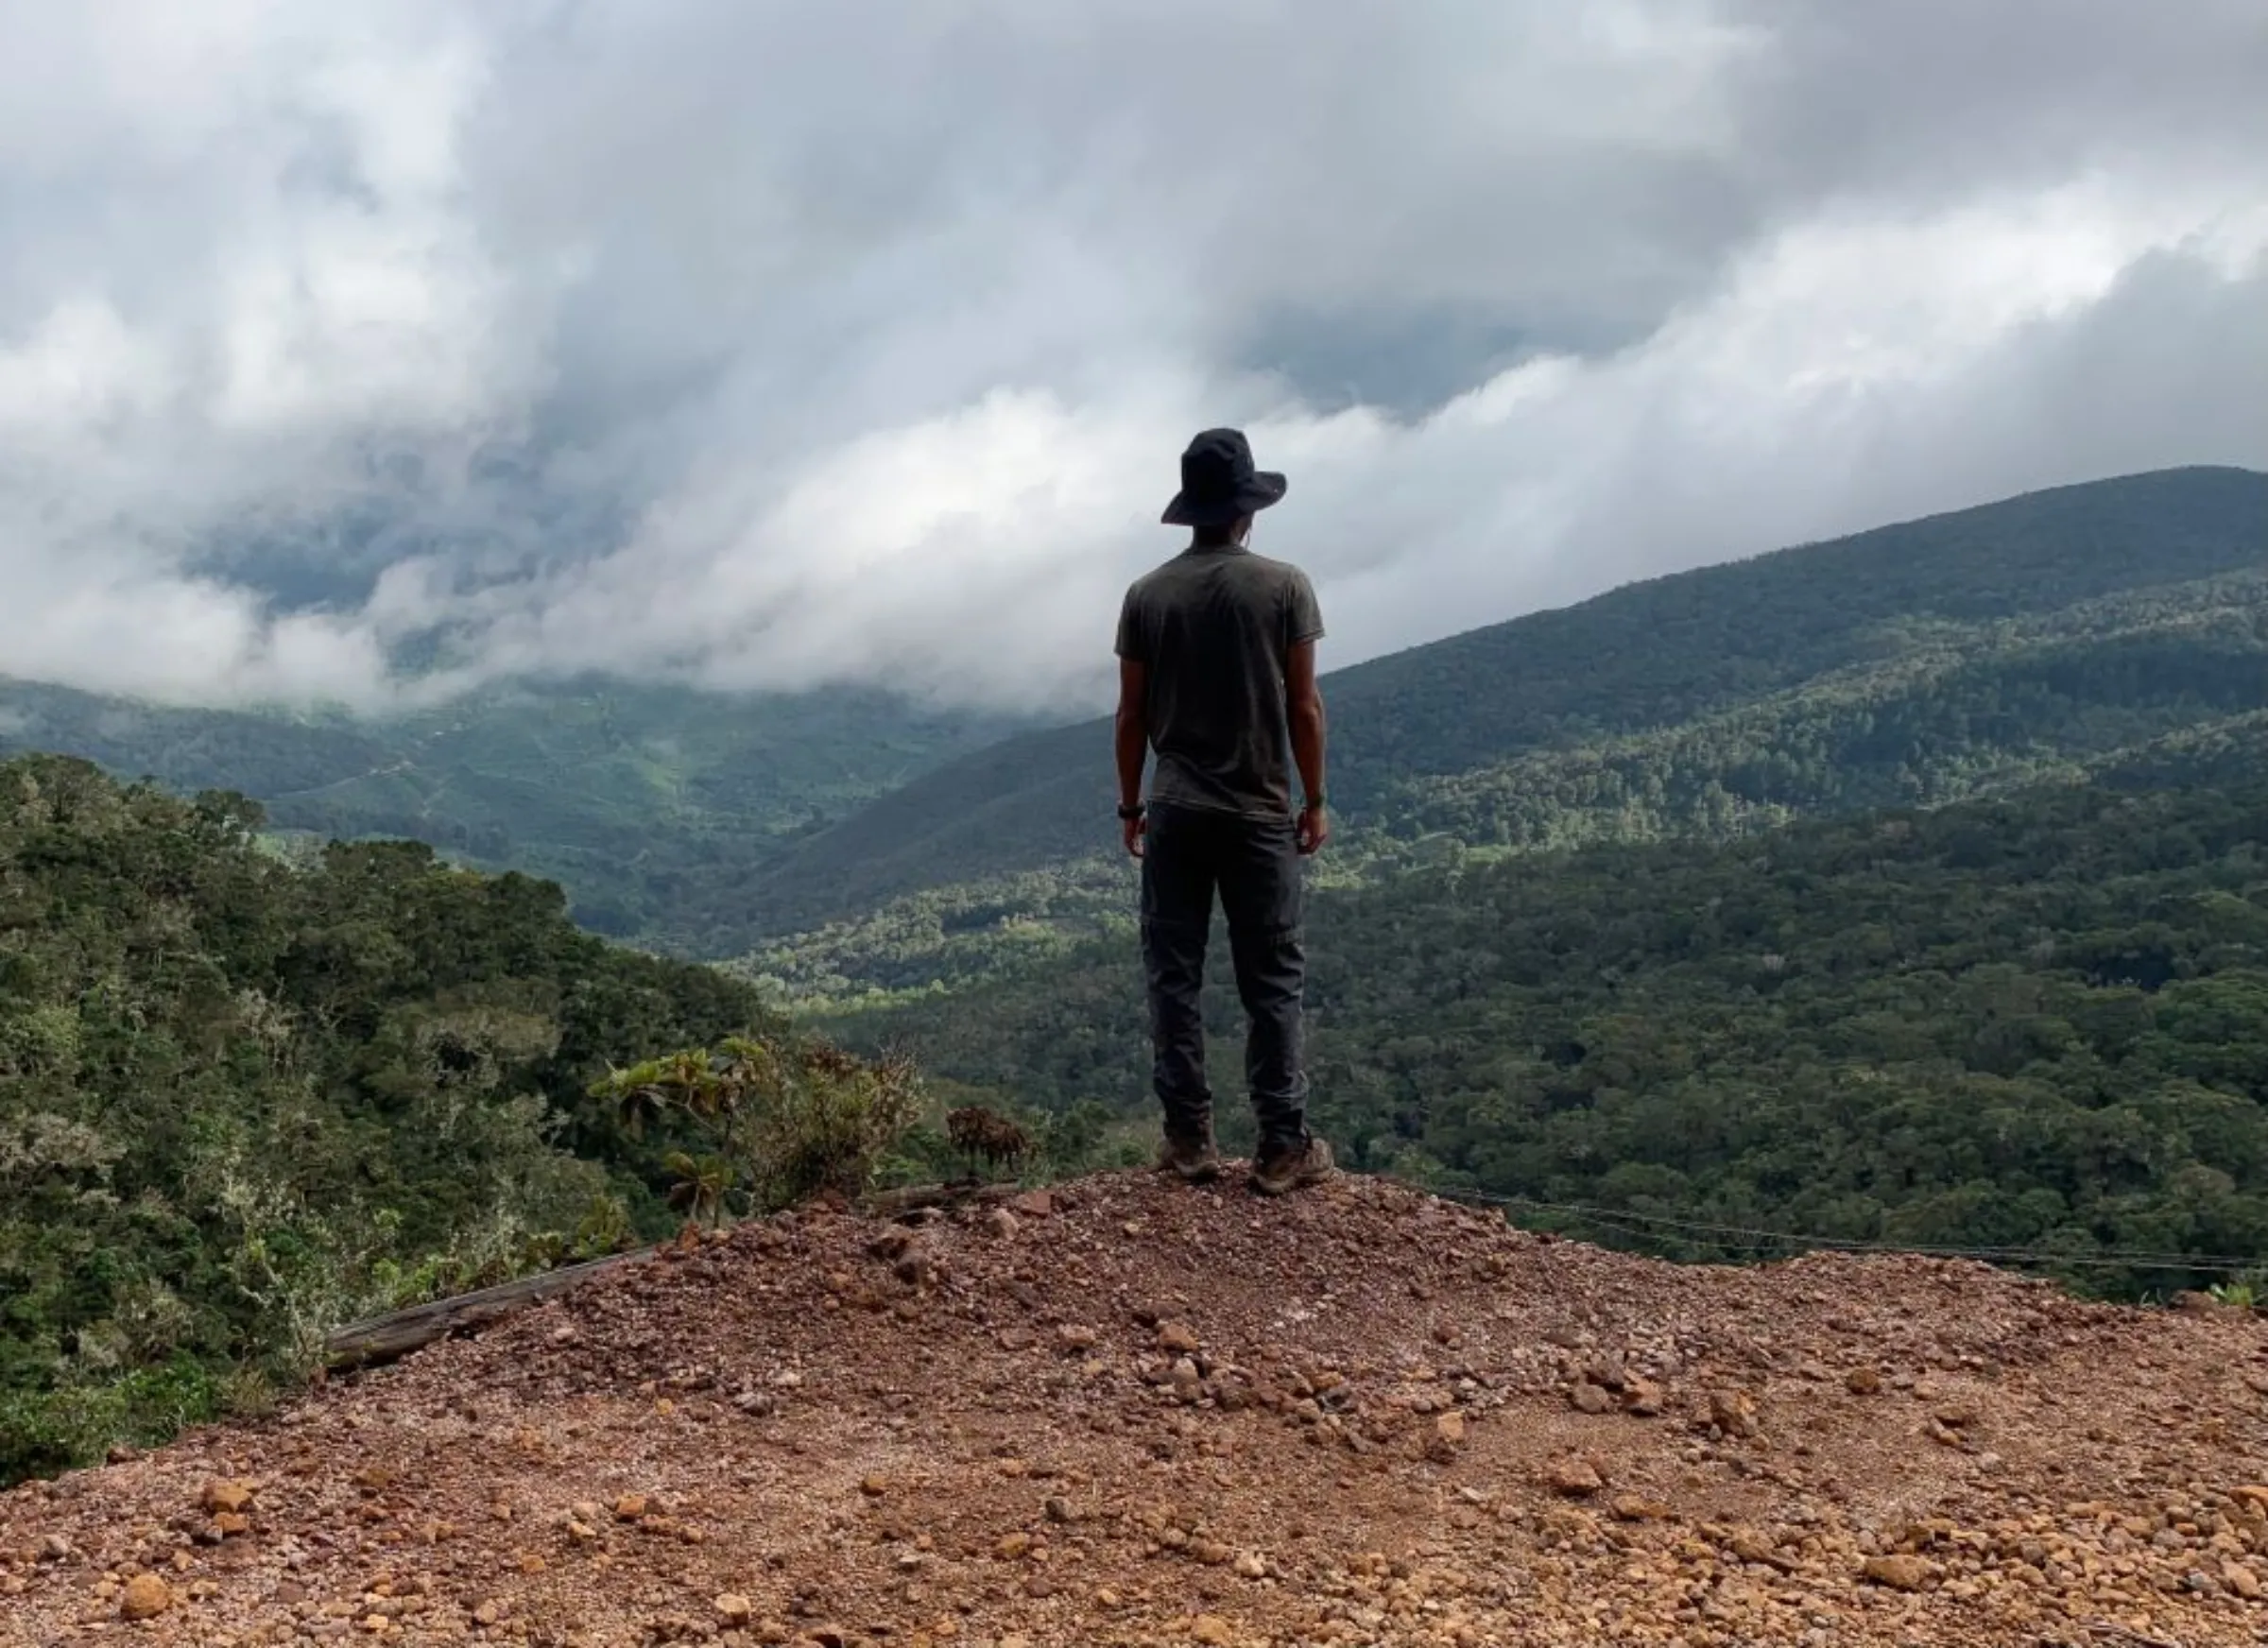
{"x": 1213, "y": 628}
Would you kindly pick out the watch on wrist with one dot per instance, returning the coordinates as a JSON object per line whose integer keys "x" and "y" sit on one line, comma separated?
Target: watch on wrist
{"x": 1129, "y": 814}
{"x": 1315, "y": 802}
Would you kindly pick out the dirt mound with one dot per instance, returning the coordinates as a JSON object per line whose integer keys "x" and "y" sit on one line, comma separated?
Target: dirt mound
{"x": 1128, "y": 1411}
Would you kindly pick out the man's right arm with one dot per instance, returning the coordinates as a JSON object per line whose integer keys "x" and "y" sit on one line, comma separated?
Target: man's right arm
{"x": 1303, "y": 701}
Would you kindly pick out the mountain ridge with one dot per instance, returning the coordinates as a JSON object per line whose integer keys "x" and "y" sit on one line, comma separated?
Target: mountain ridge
{"x": 1770, "y": 622}
{"x": 714, "y": 826}
{"x": 628, "y": 795}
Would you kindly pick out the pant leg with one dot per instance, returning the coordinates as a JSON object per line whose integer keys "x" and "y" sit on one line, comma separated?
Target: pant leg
{"x": 1177, "y": 874}
{"x": 1261, "y": 893}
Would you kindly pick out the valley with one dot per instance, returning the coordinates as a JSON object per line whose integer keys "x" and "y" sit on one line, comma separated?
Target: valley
{"x": 1906, "y": 891}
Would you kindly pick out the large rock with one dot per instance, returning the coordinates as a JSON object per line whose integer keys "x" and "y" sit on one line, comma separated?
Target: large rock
{"x": 1574, "y": 1478}
{"x": 1900, "y": 1572}
{"x": 1179, "y": 1339}
{"x": 147, "y": 1596}
{"x": 223, "y": 1497}
{"x": 1733, "y": 1412}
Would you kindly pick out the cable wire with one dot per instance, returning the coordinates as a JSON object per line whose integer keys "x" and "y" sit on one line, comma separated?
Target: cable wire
{"x": 1746, "y": 1238}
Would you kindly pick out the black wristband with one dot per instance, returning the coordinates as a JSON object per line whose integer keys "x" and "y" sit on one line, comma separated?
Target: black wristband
{"x": 1315, "y": 803}
{"x": 1131, "y": 813}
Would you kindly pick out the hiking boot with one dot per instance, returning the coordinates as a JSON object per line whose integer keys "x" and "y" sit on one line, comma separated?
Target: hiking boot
{"x": 1279, "y": 1168}
{"x": 1190, "y": 1159}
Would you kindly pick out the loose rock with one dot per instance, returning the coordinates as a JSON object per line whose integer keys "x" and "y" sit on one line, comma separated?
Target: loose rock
{"x": 1900, "y": 1572}
{"x": 1576, "y": 1478}
{"x": 146, "y": 1597}
{"x": 221, "y": 1495}
{"x": 1179, "y": 1339}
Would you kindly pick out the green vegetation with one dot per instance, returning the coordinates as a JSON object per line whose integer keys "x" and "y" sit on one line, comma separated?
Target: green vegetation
{"x": 242, "y": 1102}
{"x": 246, "y": 1099}
{"x": 2039, "y": 1022}
{"x": 644, "y": 803}
{"x": 1577, "y": 943}
{"x": 779, "y": 1120}
{"x": 1918, "y": 663}
{"x": 1970, "y": 714}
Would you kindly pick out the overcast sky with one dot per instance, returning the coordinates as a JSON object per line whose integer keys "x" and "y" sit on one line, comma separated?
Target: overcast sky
{"x": 352, "y": 349}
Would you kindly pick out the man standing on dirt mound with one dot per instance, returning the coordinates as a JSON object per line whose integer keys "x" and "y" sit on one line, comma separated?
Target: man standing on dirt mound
{"x": 1217, "y": 673}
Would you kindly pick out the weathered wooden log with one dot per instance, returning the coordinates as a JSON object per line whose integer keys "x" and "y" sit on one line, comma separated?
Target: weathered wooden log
{"x": 908, "y": 1198}
{"x": 381, "y": 1339}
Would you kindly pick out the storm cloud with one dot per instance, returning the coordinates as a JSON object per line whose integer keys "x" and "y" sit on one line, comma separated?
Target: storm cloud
{"x": 369, "y": 351}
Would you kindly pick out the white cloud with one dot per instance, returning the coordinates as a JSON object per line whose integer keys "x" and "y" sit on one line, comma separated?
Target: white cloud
{"x": 768, "y": 346}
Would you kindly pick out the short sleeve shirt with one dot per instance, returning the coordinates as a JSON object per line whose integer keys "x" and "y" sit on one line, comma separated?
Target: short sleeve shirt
{"x": 1215, "y": 629}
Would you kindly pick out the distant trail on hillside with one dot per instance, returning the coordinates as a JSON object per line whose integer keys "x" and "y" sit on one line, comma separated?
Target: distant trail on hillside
{"x": 377, "y": 772}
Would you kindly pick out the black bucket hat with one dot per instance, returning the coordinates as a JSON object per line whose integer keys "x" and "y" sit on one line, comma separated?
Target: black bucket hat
{"x": 1218, "y": 482}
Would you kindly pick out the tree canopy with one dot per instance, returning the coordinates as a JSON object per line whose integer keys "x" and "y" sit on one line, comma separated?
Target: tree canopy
{"x": 242, "y": 1100}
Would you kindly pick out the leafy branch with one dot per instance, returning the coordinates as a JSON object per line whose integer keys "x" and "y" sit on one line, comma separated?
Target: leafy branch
{"x": 777, "y": 1120}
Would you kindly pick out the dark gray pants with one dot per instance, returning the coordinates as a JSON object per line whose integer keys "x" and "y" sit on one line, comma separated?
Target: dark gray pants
{"x": 1190, "y": 851}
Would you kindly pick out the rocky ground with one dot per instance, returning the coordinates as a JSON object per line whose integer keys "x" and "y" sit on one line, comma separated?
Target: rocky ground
{"x": 1128, "y": 1411}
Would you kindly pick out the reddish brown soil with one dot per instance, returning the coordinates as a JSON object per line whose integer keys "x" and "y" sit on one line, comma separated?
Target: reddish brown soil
{"x": 1136, "y": 1413}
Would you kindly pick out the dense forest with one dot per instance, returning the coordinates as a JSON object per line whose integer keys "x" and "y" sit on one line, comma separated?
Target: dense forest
{"x": 2037, "y": 1021}
{"x": 242, "y": 1101}
{"x": 1972, "y": 713}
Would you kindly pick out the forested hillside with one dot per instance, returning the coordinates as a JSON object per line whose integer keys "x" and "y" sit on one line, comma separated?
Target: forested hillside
{"x": 2038, "y": 1021}
{"x": 1911, "y": 662}
{"x": 637, "y": 798}
{"x": 2029, "y": 700}
{"x": 240, "y": 1101}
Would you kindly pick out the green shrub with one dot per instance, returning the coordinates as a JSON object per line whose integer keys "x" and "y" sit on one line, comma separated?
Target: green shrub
{"x": 777, "y": 1119}
{"x": 43, "y": 1433}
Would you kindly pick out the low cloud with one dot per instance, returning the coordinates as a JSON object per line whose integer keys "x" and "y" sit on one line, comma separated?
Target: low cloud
{"x": 370, "y": 352}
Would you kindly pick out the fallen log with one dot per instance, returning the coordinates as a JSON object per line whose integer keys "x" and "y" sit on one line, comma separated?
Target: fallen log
{"x": 378, "y": 1340}
{"x": 908, "y": 1198}
{"x": 382, "y": 1339}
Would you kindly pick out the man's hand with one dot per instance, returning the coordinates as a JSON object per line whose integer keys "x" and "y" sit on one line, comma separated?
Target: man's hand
{"x": 1304, "y": 700}
{"x": 1134, "y": 829}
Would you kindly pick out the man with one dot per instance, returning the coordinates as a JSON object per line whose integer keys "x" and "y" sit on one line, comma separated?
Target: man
{"x": 1217, "y": 675}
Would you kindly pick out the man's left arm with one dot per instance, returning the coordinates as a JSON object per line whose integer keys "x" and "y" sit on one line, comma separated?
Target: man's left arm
{"x": 1303, "y": 699}
{"x": 1133, "y": 736}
